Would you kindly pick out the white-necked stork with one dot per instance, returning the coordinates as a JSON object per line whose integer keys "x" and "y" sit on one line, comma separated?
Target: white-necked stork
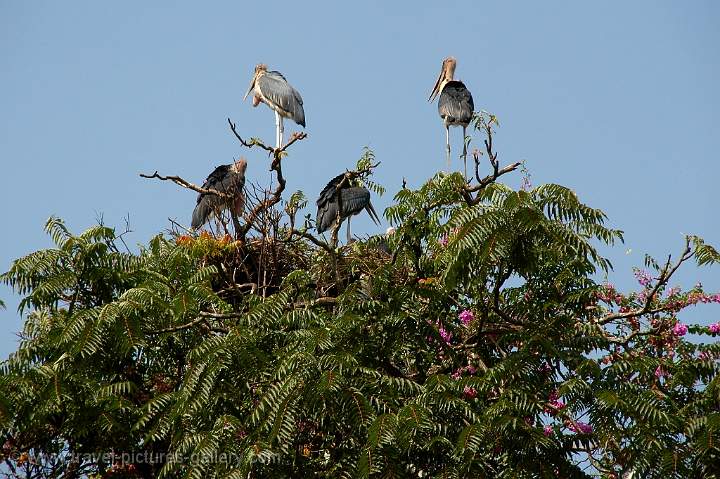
{"x": 455, "y": 104}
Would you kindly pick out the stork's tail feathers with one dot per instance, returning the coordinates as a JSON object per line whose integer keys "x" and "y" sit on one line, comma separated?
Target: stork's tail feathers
{"x": 373, "y": 215}
{"x": 200, "y": 215}
{"x": 299, "y": 117}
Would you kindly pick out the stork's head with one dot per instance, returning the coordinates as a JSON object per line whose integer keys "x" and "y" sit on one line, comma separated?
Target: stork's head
{"x": 240, "y": 166}
{"x": 260, "y": 70}
{"x": 446, "y": 74}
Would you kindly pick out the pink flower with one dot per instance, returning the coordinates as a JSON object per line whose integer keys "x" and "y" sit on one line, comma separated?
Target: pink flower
{"x": 581, "y": 427}
{"x": 446, "y": 335}
{"x": 660, "y": 372}
{"x": 554, "y": 404}
{"x": 714, "y": 328}
{"x": 457, "y": 374}
{"x": 643, "y": 277}
{"x": 680, "y": 329}
{"x": 466, "y": 317}
{"x": 554, "y": 396}
{"x": 444, "y": 241}
{"x": 547, "y": 430}
{"x": 703, "y": 356}
{"x": 469, "y": 392}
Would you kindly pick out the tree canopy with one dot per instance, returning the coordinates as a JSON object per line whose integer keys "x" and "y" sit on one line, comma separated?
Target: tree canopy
{"x": 474, "y": 340}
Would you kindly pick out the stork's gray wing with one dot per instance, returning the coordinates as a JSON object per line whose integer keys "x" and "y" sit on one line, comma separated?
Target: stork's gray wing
{"x": 354, "y": 200}
{"x": 326, "y": 216}
{"x": 215, "y": 179}
{"x": 456, "y": 103}
{"x": 328, "y": 193}
{"x": 222, "y": 179}
{"x": 276, "y": 88}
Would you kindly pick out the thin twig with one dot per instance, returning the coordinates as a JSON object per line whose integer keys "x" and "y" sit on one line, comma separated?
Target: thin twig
{"x": 252, "y": 142}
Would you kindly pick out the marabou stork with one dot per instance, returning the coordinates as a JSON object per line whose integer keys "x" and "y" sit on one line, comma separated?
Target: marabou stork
{"x": 229, "y": 179}
{"x": 350, "y": 200}
{"x": 455, "y": 104}
{"x": 273, "y": 89}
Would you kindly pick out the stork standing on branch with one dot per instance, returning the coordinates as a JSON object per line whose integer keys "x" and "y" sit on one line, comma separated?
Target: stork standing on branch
{"x": 340, "y": 196}
{"x": 227, "y": 179}
{"x": 455, "y": 104}
{"x": 271, "y": 88}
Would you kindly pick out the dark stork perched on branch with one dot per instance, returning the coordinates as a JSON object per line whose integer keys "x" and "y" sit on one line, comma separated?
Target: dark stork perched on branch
{"x": 455, "y": 104}
{"x": 271, "y": 88}
{"x": 349, "y": 200}
{"x": 228, "y": 179}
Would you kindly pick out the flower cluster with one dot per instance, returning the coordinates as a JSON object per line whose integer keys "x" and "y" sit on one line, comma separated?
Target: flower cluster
{"x": 466, "y": 316}
{"x": 673, "y": 291}
{"x": 457, "y": 374}
{"x": 692, "y": 299}
{"x": 680, "y": 329}
{"x": 609, "y": 294}
{"x": 714, "y": 328}
{"x": 469, "y": 392}
{"x": 643, "y": 277}
{"x": 445, "y": 335}
{"x": 555, "y": 403}
{"x": 580, "y": 427}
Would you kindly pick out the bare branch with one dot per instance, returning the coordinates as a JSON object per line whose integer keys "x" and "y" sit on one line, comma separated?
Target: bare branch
{"x": 323, "y": 301}
{"x": 208, "y": 314}
{"x": 186, "y": 184}
{"x": 312, "y": 239}
{"x": 276, "y": 166}
{"x": 251, "y": 143}
{"x": 491, "y": 178}
{"x": 173, "y": 329}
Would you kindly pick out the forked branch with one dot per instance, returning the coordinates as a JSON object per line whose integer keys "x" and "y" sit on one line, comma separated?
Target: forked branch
{"x": 666, "y": 273}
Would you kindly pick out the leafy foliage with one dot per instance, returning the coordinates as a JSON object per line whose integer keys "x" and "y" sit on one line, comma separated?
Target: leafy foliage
{"x": 479, "y": 346}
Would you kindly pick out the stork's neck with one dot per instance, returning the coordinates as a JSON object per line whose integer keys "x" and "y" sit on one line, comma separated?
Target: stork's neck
{"x": 450, "y": 72}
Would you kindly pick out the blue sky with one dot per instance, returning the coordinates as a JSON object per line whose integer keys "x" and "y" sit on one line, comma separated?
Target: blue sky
{"x": 617, "y": 100}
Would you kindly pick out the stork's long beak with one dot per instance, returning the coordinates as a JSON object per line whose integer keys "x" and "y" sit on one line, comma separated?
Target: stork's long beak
{"x": 250, "y": 88}
{"x": 438, "y": 84}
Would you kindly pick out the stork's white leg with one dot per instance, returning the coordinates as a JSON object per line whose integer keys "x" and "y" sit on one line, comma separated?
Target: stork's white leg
{"x": 447, "y": 143}
{"x": 348, "y": 230}
{"x": 282, "y": 132}
{"x": 465, "y": 151}
{"x": 278, "y": 126}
